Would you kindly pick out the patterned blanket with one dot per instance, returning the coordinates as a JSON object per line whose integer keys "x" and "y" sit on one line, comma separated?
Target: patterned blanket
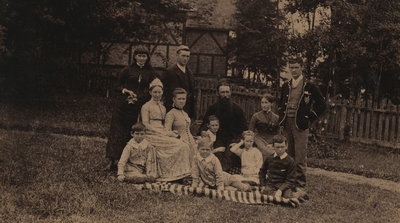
{"x": 254, "y": 197}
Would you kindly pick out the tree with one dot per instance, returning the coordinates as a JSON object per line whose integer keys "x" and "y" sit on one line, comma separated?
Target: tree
{"x": 360, "y": 44}
{"x": 42, "y": 35}
{"x": 261, "y": 38}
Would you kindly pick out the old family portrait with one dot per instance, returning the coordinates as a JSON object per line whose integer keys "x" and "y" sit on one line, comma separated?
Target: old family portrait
{"x": 200, "y": 111}
{"x": 152, "y": 141}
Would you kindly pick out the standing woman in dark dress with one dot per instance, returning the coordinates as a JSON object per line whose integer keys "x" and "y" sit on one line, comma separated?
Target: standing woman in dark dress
{"x": 132, "y": 92}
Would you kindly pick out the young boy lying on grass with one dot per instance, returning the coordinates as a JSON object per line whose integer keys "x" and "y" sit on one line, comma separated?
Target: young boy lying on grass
{"x": 207, "y": 170}
{"x": 138, "y": 160}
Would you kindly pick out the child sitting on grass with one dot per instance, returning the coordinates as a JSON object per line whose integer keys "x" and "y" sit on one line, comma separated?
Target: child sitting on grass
{"x": 207, "y": 170}
{"x": 138, "y": 160}
{"x": 280, "y": 169}
{"x": 213, "y": 127}
{"x": 251, "y": 157}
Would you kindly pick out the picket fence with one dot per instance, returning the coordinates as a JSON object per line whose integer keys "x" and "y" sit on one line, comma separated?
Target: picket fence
{"x": 364, "y": 121}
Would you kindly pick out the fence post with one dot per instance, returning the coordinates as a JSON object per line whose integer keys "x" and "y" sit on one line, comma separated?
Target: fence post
{"x": 342, "y": 123}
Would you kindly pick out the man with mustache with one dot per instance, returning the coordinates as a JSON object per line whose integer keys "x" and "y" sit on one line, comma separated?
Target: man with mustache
{"x": 232, "y": 124}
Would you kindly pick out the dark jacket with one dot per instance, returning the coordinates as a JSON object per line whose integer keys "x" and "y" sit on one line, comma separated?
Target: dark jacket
{"x": 174, "y": 78}
{"x": 281, "y": 172}
{"x": 136, "y": 79}
{"x": 311, "y": 106}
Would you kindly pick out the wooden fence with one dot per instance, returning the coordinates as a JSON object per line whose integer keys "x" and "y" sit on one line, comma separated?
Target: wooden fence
{"x": 364, "y": 121}
{"x": 247, "y": 98}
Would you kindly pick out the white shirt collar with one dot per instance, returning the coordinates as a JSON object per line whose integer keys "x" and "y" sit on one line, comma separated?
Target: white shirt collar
{"x": 182, "y": 68}
{"x": 296, "y": 82}
{"x": 283, "y": 156}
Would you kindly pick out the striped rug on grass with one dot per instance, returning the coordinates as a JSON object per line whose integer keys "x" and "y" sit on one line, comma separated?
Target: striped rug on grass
{"x": 254, "y": 197}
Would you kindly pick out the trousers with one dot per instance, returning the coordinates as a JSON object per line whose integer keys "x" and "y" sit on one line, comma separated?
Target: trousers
{"x": 297, "y": 149}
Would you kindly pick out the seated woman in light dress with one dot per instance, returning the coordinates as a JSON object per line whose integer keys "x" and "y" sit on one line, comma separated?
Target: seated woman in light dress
{"x": 178, "y": 120}
{"x": 172, "y": 153}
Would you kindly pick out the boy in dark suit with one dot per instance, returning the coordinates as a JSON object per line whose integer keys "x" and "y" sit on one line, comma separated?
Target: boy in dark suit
{"x": 280, "y": 169}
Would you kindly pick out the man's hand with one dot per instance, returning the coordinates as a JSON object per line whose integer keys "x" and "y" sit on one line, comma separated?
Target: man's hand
{"x": 131, "y": 93}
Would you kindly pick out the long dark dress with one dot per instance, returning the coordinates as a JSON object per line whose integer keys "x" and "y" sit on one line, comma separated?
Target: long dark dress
{"x": 136, "y": 79}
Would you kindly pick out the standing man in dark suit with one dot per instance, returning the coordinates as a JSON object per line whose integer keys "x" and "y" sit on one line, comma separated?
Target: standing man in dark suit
{"x": 301, "y": 103}
{"x": 180, "y": 76}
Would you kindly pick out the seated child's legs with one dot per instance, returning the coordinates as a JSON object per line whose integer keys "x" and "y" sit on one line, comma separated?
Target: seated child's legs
{"x": 236, "y": 182}
{"x": 252, "y": 180}
{"x": 137, "y": 175}
{"x": 271, "y": 189}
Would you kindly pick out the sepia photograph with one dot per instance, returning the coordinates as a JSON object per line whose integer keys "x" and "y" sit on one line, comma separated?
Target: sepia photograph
{"x": 199, "y": 111}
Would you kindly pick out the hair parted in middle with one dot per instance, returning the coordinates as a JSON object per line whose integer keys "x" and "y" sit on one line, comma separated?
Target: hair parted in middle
{"x": 178, "y": 90}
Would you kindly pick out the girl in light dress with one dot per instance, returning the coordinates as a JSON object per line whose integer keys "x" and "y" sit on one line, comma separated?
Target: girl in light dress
{"x": 178, "y": 120}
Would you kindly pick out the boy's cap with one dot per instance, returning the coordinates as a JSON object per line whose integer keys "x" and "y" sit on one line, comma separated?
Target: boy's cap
{"x": 182, "y": 47}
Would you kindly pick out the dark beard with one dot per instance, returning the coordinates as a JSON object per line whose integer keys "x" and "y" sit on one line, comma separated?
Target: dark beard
{"x": 225, "y": 101}
{"x": 225, "y": 105}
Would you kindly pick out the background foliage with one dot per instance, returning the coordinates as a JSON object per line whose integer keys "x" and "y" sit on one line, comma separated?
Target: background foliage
{"x": 44, "y": 40}
{"x": 358, "y": 45}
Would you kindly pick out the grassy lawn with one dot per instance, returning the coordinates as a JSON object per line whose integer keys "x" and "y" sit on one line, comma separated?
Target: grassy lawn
{"x": 55, "y": 178}
{"x": 355, "y": 158}
{"x": 68, "y": 114}
{"x": 90, "y": 115}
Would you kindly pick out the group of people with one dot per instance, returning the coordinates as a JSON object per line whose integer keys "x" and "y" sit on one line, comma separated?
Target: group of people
{"x": 151, "y": 140}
